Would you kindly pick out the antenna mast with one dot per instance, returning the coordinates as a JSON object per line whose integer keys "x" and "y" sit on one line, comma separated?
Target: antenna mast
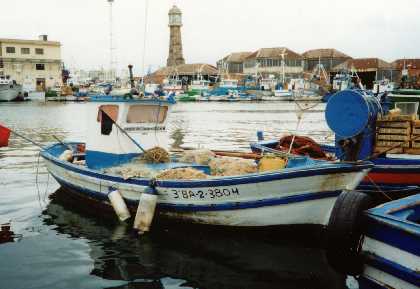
{"x": 111, "y": 48}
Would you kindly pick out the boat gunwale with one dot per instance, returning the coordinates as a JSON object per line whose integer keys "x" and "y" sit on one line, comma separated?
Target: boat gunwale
{"x": 324, "y": 169}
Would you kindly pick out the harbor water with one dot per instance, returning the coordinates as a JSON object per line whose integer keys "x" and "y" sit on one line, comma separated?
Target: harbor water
{"x": 53, "y": 244}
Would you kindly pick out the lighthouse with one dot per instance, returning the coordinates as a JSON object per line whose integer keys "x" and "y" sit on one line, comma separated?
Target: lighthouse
{"x": 175, "y": 42}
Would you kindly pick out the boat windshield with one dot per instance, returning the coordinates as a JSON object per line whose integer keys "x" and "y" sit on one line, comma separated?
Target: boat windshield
{"x": 146, "y": 114}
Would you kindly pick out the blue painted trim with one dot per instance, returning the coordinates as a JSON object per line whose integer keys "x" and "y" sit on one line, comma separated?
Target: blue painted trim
{"x": 105, "y": 98}
{"x": 316, "y": 170}
{"x": 97, "y": 160}
{"x": 394, "y": 235}
{"x": 386, "y": 165}
{"x": 213, "y": 207}
{"x": 394, "y": 269}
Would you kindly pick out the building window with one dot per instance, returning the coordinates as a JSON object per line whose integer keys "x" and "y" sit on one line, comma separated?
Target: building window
{"x": 40, "y": 66}
{"x": 10, "y": 50}
{"x": 39, "y": 51}
{"x": 25, "y": 51}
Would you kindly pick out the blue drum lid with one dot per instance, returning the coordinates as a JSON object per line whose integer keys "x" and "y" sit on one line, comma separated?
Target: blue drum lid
{"x": 347, "y": 113}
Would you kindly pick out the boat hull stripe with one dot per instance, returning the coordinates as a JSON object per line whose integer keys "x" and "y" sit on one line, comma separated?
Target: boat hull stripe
{"x": 257, "y": 178}
{"x": 394, "y": 269}
{"x": 213, "y": 207}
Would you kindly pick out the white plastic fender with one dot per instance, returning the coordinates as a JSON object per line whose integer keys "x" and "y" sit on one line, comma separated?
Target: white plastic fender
{"x": 119, "y": 205}
{"x": 145, "y": 210}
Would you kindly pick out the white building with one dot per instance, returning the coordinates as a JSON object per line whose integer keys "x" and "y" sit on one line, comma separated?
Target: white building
{"x": 36, "y": 64}
{"x": 269, "y": 61}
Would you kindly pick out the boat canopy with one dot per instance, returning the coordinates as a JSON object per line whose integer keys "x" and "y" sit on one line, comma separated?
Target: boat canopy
{"x": 120, "y": 129}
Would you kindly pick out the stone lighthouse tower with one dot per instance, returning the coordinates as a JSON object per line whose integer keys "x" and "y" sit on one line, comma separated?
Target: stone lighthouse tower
{"x": 175, "y": 41}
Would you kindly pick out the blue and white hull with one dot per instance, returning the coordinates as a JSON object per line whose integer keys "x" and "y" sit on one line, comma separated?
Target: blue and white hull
{"x": 391, "y": 246}
{"x": 303, "y": 195}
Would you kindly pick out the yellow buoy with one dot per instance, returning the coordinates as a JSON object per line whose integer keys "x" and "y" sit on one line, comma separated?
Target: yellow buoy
{"x": 271, "y": 163}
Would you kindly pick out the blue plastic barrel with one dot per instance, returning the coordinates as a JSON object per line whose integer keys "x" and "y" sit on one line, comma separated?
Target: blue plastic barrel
{"x": 349, "y": 112}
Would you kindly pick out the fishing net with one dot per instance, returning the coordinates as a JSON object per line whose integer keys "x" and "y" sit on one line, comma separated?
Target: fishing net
{"x": 181, "y": 174}
{"x": 156, "y": 155}
{"x": 301, "y": 145}
{"x": 228, "y": 166}
{"x": 128, "y": 171}
{"x": 201, "y": 157}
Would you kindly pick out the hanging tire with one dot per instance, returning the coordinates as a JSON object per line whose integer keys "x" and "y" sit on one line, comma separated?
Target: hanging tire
{"x": 344, "y": 232}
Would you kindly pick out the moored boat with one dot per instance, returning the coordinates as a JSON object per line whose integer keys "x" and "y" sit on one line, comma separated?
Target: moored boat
{"x": 380, "y": 246}
{"x": 10, "y": 90}
{"x": 303, "y": 192}
{"x": 352, "y": 115}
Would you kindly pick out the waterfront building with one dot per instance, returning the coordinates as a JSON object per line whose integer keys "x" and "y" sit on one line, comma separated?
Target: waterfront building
{"x": 369, "y": 70}
{"x": 184, "y": 72}
{"x": 327, "y": 57}
{"x": 175, "y": 41}
{"x": 410, "y": 70}
{"x": 233, "y": 63}
{"x": 36, "y": 64}
{"x": 268, "y": 61}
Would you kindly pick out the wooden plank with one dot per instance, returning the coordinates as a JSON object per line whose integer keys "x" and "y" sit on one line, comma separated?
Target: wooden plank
{"x": 415, "y": 144}
{"x": 391, "y": 144}
{"x": 410, "y": 117}
{"x": 387, "y": 130}
{"x": 379, "y": 149}
{"x": 393, "y": 137}
{"x": 416, "y": 131}
{"x": 416, "y": 123}
{"x": 393, "y": 124}
{"x": 412, "y": 151}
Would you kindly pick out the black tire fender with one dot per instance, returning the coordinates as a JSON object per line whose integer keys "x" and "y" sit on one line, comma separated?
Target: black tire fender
{"x": 344, "y": 232}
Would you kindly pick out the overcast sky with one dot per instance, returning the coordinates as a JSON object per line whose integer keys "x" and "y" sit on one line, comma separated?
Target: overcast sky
{"x": 212, "y": 29}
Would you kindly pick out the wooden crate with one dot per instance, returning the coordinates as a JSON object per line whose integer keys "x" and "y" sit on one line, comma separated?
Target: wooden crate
{"x": 416, "y": 131}
{"x": 393, "y": 137}
{"x": 392, "y": 143}
{"x": 410, "y": 117}
{"x": 412, "y": 151}
{"x": 379, "y": 149}
{"x": 393, "y": 124}
{"x": 399, "y": 131}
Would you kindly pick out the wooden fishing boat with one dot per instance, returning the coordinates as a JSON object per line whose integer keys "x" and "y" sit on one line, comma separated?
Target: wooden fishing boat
{"x": 350, "y": 113}
{"x": 301, "y": 193}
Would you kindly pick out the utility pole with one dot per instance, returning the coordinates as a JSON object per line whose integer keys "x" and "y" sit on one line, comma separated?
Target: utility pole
{"x": 111, "y": 48}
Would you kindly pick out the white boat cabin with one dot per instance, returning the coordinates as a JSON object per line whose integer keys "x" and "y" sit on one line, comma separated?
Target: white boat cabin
{"x": 120, "y": 129}
{"x": 268, "y": 84}
{"x": 200, "y": 84}
{"x": 229, "y": 83}
{"x": 382, "y": 86}
{"x": 172, "y": 84}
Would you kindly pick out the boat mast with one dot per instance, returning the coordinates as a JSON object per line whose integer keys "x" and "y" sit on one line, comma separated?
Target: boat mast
{"x": 283, "y": 54}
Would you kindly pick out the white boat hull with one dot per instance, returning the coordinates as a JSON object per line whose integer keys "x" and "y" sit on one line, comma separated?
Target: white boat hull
{"x": 267, "y": 199}
{"x": 9, "y": 94}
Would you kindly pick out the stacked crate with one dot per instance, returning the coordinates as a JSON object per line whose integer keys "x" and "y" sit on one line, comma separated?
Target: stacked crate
{"x": 394, "y": 131}
{"x": 415, "y": 136}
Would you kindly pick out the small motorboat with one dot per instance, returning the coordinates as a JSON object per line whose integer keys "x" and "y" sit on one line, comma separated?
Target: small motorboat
{"x": 10, "y": 90}
{"x": 120, "y": 130}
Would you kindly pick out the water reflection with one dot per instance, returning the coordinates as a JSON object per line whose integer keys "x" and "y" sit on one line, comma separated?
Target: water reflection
{"x": 193, "y": 258}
